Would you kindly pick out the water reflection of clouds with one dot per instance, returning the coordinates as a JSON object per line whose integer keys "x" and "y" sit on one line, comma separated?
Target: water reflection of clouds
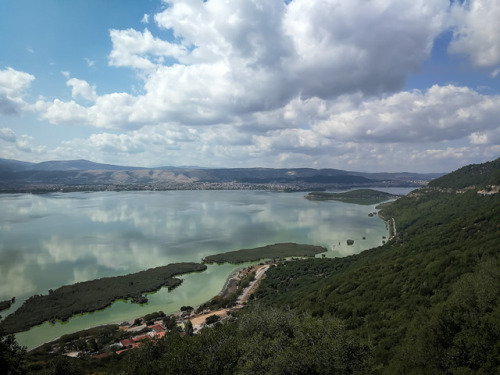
{"x": 125, "y": 256}
{"x": 13, "y": 281}
{"x": 84, "y": 274}
{"x": 84, "y": 236}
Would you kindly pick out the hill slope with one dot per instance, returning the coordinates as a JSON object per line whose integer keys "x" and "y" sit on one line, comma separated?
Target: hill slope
{"x": 474, "y": 175}
{"x": 428, "y": 301}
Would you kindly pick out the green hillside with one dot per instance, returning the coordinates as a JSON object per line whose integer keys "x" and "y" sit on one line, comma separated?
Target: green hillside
{"x": 428, "y": 301}
{"x": 478, "y": 175}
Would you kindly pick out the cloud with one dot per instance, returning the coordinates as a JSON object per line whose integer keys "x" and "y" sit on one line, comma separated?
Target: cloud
{"x": 344, "y": 47}
{"x": 12, "y": 86}
{"x": 111, "y": 111}
{"x": 90, "y": 63}
{"x": 488, "y": 137}
{"x": 117, "y": 143}
{"x": 140, "y": 50}
{"x": 7, "y": 135}
{"x": 160, "y": 138}
{"x": 81, "y": 89}
{"x": 230, "y": 61}
{"x": 273, "y": 83}
{"x": 233, "y": 60}
{"x": 311, "y": 49}
{"x": 477, "y": 32}
{"x": 15, "y": 142}
{"x": 59, "y": 112}
{"x": 441, "y": 113}
{"x": 145, "y": 18}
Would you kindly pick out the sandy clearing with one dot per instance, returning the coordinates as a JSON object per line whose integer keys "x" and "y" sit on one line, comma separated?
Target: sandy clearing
{"x": 200, "y": 319}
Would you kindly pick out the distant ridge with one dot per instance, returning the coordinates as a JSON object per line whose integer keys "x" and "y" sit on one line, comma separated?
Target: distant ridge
{"x": 61, "y": 165}
{"x": 68, "y": 175}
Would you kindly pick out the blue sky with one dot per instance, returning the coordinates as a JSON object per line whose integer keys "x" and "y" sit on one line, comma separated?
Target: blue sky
{"x": 380, "y": 85}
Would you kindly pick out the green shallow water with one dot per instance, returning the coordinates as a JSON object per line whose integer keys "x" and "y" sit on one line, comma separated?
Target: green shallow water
{"x": 56, "y": 239}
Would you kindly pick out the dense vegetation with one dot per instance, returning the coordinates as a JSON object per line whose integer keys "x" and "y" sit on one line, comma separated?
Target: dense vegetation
{"x": 359, "y": 196}
{"x": 279, "y": 250}
{"x": 427, "y": 302}
{"x": 12, "y": 355}
{"x": 68, "y": 300}
{"x": 261, "y": 341}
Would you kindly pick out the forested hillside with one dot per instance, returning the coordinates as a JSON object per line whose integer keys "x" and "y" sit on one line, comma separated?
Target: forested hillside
{"x": 427, "y": 302}
{"x": 471, "y": 175}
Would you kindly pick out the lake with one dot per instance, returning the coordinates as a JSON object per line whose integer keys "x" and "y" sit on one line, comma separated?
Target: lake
{"x": 55, "y": 239}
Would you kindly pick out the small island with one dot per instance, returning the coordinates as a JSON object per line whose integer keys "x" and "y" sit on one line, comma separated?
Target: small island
{"x": 279, "y": 250}
{"x": 359, "y": 196}
{"x": 93, "y": 295}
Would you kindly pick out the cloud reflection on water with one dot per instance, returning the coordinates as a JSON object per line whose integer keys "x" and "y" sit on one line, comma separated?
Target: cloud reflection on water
{"x": 59, "y": 239}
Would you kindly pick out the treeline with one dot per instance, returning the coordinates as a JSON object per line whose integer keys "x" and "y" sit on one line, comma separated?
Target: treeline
{"x": 88, "y": 296}
{"x": 279, "y": 250}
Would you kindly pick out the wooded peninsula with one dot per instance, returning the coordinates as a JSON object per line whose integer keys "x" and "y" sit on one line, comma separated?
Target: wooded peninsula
{"x": 93, "y": 295}
{"x": 358, "y": 196}
{"x": 279, "y": 250}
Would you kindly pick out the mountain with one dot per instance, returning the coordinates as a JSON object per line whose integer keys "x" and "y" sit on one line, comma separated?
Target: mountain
{"x": 13, "y": 165}
{"x": 79, "y": 165}
{"x": 87, "y": 175}
{"x": 62, "y": 165}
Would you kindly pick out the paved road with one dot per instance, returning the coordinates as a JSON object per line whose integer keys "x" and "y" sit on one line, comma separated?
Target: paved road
{"x": 250, "y": 289}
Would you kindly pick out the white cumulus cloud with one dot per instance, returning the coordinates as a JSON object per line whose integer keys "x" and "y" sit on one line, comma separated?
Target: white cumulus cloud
{"x": 13, "y": 83}
{"x": 140, "y": 50}
{"x": 81, "y": 89}
{"x": 7, "y": 135}
{"x": 441, "y": 113}
{"x": 477, "y": 32}
{"x": 274, "y": 83}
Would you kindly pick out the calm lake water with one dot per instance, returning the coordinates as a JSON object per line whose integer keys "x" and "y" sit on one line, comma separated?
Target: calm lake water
{"x": 55, "y": 239}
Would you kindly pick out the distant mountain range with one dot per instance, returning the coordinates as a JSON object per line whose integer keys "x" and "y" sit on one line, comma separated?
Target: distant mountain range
{"x": 86, "y": 175}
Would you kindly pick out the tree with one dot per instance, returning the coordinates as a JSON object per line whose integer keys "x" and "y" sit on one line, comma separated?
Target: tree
{"x": 212, "y": 319}
{"x": 170, "y": 322}
{"x": 12, "y": 355}
{"x": 63, "y": 365}
{"x": 188, "y": 328}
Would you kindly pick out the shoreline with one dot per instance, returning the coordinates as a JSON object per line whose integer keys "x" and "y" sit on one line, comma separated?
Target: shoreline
{"x": 197, "y": 319}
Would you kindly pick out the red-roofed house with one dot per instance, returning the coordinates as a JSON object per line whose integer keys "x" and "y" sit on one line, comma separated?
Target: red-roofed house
{"x": 127, "y": 342}
{"x": 157, "y": 328}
